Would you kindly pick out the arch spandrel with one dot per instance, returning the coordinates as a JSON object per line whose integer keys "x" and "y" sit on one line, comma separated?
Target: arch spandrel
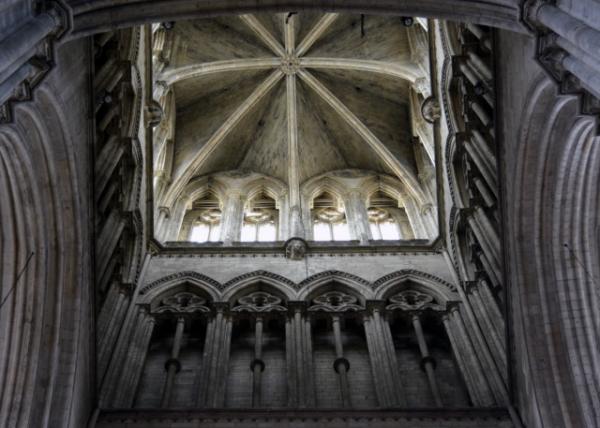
{"x": 330, "y": 280}
{"x": 257, "y": 279}
{"x": 191, "y": 279}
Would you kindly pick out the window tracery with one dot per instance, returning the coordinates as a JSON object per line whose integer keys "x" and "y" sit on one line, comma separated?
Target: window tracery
{"x": 260, "y": 220}
{"x": 329, "y": 219}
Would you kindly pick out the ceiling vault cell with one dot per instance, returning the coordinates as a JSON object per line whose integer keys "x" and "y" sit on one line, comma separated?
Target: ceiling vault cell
{"x": 316, "y": 133}
{"x": 211, "y": 145}
{"x": 402, "y": 171}
{"x": 263, "y": 34}
{"x": 317, "y": 31}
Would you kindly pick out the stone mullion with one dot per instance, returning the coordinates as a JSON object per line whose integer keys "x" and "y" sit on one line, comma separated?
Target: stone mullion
{"x": 341, "y": 364}
{"x": 378, "y": 369}
{"x": 290, "y": 362}
{"x": 358, "y": 217}
{"x": 393, "y": 360}
{"x": 309, "y": 380}
{"x": 218, "y": 355}
{"x": 258, "y": 364}
{"x": 173, "y": 365}
{"x": 233, "y": 216}
{"x": 427, "y": 361}
{"x": 219, "y": 376}
{"x": 203, "y": 378}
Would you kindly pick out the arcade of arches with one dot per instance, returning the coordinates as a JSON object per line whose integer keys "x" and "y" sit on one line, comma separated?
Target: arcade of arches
{"x": 299, "y": 214}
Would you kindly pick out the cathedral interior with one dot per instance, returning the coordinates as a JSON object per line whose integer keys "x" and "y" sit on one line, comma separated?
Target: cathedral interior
{"x": 300, "y": 214}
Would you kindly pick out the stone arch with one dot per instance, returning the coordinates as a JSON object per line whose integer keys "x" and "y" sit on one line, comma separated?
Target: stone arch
{"x": 554, "y": 202}
{"x": 323, "y": 281}
{"x": 194, "y": 279}
{"x": 431, "y": 284}
{"x": 43, "y": 235}
{"x": 104, "y": 15}
{"x": 246, "y": 282}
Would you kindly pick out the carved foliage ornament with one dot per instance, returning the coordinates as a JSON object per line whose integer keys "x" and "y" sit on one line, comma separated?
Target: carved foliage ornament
{"x": 335, "y": 301}
{"x": 182, "y": 303}
{"x": 412, "y": 300}
{"x": 259, "y": 301}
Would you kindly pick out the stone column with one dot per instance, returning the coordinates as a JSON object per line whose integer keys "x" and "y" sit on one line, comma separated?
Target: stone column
{"x": 134, "y": 363}
{"x": 494, "y": 338}
{"x": 341, "y": 364}
{"x": 113, "y": 318}
{"x": 172, "y": 365}
{"x": 415, "y": 218}
{"x": 215, "y": 359}
{"x": 383, "y": 358}
{"x": 301, "y": 393}
{"x": 233, "y": 216}
{"x": 466, "y": 358}
{"x": 427, "y": 361}
{"x": 257, "y": 365}
{"x": 357, "y": 216}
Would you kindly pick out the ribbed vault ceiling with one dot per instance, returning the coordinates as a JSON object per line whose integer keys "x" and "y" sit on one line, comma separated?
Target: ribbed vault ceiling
{"x": 292, "y": 95}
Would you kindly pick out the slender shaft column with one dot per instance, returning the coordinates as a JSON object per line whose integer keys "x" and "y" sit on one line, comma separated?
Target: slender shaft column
{"x": 258, "y": 364}
{"x": 341, "y": 364}
{"x": 233, "y": 216}
{"x": 493, "y": 337}
{"x": 415, "y": 219}
{"x": 173, "y": 365}
{"x": 358, "y": 218}
{"x": 427, "y": 361}
{"x": 572, "y": 29}
{"x": 16, "y": 47}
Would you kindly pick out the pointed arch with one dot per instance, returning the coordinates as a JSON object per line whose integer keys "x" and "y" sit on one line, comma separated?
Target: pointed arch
{"x": 440, "y": 288}
{"x": 313, "y": 283}
{"x": 206, "y": 284}
{"x": 282, "y": 284}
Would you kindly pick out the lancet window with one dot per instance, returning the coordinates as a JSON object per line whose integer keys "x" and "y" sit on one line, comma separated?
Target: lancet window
{"x": 206, "y": 225}
{"x": 329, "y": 219}
{"x": 260, "y": 220}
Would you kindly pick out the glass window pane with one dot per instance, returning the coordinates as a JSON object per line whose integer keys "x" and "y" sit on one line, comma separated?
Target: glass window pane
{"x": 199, "y": 233}
{"x": 248, "y": 232}
{"x": 321, "y": 232}
{"x": 374, "y": 230}
{"x": 267, "y": 232}
{"x": 215, "y": 232}
{"x": 389, "y": 230}
{"x": 341, "y": 232}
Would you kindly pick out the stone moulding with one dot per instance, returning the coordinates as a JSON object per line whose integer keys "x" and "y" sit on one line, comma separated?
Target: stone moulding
{"x": 329, "y": 275}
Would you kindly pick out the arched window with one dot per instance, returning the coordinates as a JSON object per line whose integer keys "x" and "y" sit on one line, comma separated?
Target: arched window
{"x": 383, "y": 218}
{"x": 383, "y": 225}
{"x": 206, "y": 226}
{"x": 260, "y": 220}
{"x": 329, "y": 219}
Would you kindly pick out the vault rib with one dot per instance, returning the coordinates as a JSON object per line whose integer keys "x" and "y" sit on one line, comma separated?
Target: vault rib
{"x": 263, "y": 34}
{"x": 197, "y": 70}
{"x": 387, "y": 68}
{"x": 315, "y": 33}
{"x": 292, "y": 134}
{"x": 220, "y": 134}
{"x": 407, "y": 176}
{"x": 289, "y": 24}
